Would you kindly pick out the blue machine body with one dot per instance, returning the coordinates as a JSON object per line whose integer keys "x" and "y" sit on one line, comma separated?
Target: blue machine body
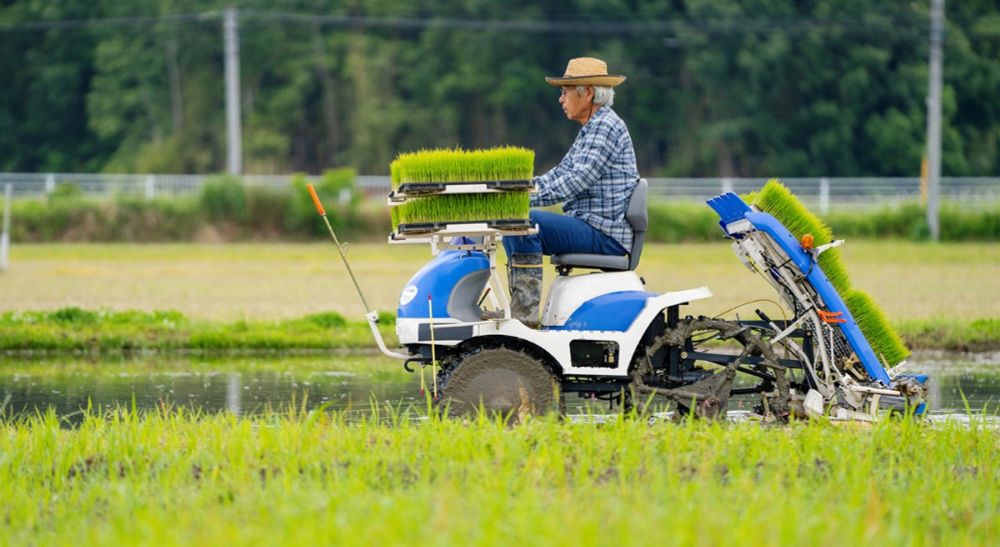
{"x": 609, "y": 312}
{"x": 438, "y": 279}
{"x": 730, "y": 208}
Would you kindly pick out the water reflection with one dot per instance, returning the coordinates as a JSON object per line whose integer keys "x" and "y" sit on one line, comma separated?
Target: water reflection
{"x": 349, "y": 383}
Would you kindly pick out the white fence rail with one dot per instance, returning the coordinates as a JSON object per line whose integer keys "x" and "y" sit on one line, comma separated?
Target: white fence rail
{"x": 820, "y": 192}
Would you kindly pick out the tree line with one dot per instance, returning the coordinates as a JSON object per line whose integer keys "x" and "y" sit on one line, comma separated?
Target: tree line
{"x": 715, "y": 87}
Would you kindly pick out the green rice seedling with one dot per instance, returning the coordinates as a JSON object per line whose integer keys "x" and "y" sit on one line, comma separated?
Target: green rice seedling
{"x": 395, "y": 174}
{"x": 300, "y": 476}
{"x": 447, "y": 165}
{"x": 394, "y": 215}
{"x": 883, "y": 338}
{"x": 462, "y": 208}
{"x": 778, "y": 201}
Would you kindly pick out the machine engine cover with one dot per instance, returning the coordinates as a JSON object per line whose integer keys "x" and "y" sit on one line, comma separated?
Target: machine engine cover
{"x": 454, "y": 280}
{"x": 568, "y": 293}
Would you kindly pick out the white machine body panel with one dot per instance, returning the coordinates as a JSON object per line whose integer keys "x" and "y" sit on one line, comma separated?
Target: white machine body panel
{"x": 555, "y": 342}
{"x": 569, "y": 292}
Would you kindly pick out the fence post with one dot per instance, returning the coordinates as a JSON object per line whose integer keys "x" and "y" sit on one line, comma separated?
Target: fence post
{"x": 344, "y": 197}
{"x": 727, "y": 185}
{"x": 150, "y": 187}
{"x": 50, "y": 183}
{"x": 824, "y": 196}
{"x": 8, "y": 195}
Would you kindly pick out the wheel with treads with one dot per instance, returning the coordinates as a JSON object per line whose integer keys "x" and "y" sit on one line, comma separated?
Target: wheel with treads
{"x": 504, "y": 381}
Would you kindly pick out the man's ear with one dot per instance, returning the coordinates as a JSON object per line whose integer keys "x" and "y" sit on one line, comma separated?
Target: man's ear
{"x": 590, "y": 93}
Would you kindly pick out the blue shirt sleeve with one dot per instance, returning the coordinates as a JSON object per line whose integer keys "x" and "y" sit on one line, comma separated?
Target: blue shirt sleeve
{"x": 584, "y": 164}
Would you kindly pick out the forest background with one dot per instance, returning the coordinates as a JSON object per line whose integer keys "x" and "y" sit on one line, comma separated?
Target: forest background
{"x": 715, "y": 88}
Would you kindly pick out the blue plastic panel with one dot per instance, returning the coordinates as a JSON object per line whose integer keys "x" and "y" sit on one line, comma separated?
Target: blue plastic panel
{"x": 729, "y": 207}
{"x": 609, "y": 312}
{"x": 814, "y": 274}
{"x": 437, "y": 278}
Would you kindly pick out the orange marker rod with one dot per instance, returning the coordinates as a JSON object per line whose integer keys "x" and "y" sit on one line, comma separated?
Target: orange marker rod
{"x": 340, "y": 248}
{"x": 316, "y": 201}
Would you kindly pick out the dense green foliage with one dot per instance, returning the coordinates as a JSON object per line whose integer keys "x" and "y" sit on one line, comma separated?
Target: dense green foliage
{"x": 721, "y": 87}
{"x": 909, "y": 221}
{"x": 275, "y": 214}
{"x": 226, "y": 209}
{"x": 310, "y": 477}
{"x": 75, "y": 330}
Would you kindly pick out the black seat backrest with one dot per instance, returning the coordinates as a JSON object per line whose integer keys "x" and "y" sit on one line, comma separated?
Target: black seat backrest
{"x": 638, "y": 216}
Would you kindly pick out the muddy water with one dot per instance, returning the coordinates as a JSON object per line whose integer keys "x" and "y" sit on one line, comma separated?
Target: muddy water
{"x": 349, "y": 383}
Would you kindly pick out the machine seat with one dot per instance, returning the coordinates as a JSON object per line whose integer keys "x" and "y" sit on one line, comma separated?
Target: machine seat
{"x": 597, "y": 262}
{"x": 637, "y": 217}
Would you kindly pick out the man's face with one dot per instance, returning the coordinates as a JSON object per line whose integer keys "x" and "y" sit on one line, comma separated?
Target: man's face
{"x": 577, "y": 107}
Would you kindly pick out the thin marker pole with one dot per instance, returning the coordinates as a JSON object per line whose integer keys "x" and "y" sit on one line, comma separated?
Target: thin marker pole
{"x": 430, "y": 313}
{"x": 340, "y": 248}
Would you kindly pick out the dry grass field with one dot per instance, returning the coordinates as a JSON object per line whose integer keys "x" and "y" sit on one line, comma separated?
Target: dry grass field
{"x": 275, "y": 281}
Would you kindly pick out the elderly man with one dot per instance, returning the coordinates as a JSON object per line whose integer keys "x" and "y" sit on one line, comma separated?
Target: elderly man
{"x": 594, "y": 181}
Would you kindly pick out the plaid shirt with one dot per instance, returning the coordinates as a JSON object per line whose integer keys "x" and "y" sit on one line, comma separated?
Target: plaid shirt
{"x": 596, "y": 177}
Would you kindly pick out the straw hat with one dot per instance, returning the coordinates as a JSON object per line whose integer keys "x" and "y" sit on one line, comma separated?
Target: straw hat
{"x": 586, "y": 71}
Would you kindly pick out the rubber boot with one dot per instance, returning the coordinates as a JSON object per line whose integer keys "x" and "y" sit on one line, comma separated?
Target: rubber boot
{"x": 526, "y": 287}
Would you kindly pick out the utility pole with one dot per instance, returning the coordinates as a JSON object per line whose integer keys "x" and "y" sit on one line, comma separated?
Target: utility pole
{"x": 234, "y": 138}
{"x": 934, "y": 120}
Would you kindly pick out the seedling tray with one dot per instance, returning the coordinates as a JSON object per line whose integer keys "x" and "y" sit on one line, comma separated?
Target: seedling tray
{"x": 422, "y": 189}
{"x": 420, "y": 228}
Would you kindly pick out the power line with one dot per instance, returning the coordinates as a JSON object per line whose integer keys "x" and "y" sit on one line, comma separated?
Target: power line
{"x": 882, "y": 24}
{"x": 141, "y": 20}
{"x": 587, "y": 27}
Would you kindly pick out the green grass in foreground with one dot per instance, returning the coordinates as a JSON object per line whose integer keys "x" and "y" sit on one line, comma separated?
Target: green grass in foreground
{"x": 74, "y": 330}
{"x": 301, "y": 478}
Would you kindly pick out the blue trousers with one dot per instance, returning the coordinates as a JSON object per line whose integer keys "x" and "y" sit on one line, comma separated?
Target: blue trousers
{"x": 561, "y": 234}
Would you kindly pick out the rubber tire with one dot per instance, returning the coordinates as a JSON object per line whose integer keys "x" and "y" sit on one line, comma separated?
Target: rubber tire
{"x": 507, "y": 382}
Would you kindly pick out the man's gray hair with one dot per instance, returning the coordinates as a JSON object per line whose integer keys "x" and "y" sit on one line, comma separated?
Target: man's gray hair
{"x": 602, "y": 95}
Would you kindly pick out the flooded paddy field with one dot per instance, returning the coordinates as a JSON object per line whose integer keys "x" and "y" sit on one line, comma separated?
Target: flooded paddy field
{"x": 348, "y": 383}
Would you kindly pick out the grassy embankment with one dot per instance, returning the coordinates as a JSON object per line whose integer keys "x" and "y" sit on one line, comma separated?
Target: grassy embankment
{"x": 288, "y": 296}
{"x": 73, "y": 330}
{"x": 308, "y": 477}
{"x": 228, "y": 210}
